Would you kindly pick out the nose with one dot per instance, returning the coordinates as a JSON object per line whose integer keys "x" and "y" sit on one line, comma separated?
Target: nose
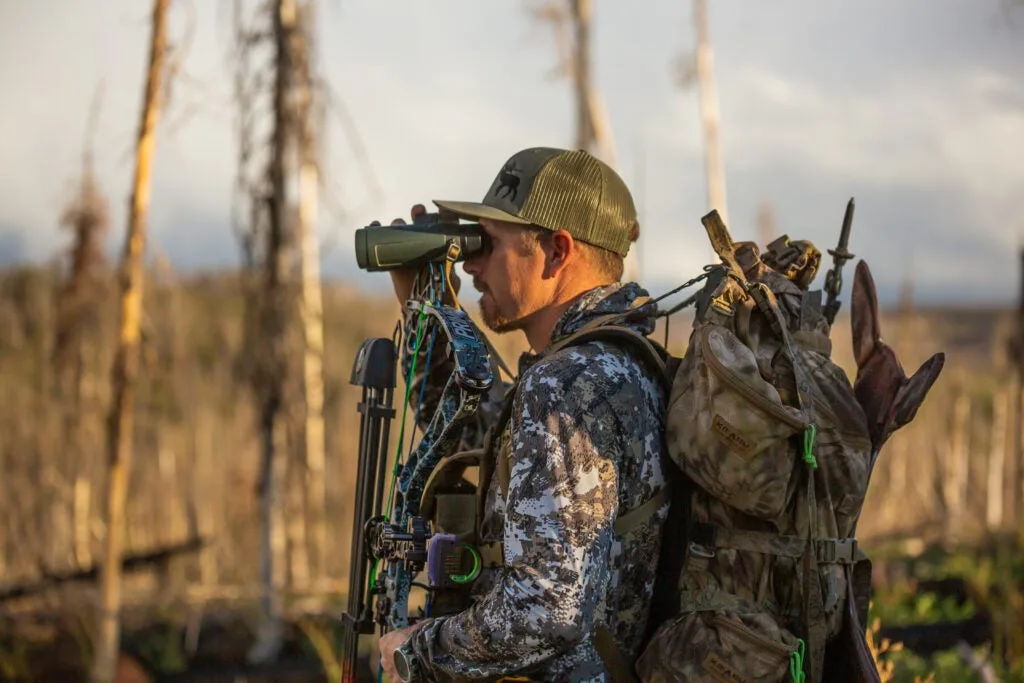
{"x": 473, "y": 265}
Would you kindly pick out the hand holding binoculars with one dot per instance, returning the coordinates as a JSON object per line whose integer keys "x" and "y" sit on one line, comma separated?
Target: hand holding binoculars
{"x": 427, "y": 240}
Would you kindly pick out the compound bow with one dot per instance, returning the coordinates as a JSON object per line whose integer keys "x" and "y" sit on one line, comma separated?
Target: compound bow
{"x": 389, "y": 530}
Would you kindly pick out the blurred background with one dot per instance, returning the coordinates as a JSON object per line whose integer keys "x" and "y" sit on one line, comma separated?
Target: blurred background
{"x": 202, "y": 375}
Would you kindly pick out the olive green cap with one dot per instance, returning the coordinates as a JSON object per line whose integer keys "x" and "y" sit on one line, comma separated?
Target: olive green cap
{"x": 558, "y": 189}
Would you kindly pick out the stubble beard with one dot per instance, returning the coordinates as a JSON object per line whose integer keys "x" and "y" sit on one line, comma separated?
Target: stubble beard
{"x": 493, "y": 318}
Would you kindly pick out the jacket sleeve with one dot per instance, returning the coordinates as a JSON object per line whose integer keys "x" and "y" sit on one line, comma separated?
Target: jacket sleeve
{"x": 561, "y": 505}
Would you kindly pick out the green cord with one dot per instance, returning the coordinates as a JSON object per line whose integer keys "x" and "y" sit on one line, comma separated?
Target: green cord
{"x": 809, "y": 435}
{"x": 420, "y": 330}
{"x": 796, "y": 663}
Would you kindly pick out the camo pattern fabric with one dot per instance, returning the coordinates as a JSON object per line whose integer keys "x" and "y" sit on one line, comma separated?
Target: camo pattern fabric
{"x": 585, "y": 440}
{"x": 729, "y": 460}
{"x": 711, "y": 647}
{"x": 728, "y": 427}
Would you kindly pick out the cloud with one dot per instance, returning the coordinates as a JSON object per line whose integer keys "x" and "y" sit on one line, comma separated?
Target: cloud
{"x": 952, "y": 128}
{"x": 929, "y": 160}
{"x": 923, "y": 127}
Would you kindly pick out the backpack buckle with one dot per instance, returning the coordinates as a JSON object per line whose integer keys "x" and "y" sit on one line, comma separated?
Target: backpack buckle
{"x": 703, "y": 543}
{"x": 700, "y": 551}
{"x": 831, "y": 550}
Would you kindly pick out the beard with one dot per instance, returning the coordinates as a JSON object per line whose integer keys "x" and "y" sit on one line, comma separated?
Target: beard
{"x": 493, "y": 318}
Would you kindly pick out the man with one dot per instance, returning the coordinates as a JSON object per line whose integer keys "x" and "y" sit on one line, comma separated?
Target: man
{"x": 584, "y": 441}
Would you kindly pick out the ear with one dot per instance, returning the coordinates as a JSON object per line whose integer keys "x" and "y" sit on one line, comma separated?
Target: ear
{"x": 864, "y": 315}
{"x": 559, "y": 250}
{"x": 912, "y": 393}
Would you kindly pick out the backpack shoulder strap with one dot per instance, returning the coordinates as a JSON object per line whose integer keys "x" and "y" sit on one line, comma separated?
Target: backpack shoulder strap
{"x": 650, "y": 352}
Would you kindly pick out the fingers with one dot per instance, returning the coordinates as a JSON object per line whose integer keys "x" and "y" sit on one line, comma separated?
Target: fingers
{"x": 419, "y": 210}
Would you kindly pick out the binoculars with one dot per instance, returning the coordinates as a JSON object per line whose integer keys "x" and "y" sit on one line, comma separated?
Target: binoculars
{"x": 427, "y": 240}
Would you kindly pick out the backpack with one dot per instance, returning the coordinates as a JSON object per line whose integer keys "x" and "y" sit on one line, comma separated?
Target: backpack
{"x": 761, "y": 577}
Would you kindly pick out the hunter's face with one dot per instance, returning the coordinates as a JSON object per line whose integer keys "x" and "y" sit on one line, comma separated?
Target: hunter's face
{"x": 509, "y": 277}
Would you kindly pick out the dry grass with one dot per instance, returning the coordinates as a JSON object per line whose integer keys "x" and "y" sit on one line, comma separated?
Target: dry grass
{"x": 885, "y": 667}
{"x": 197, "y": 454}
{"x": 196, "y": 437}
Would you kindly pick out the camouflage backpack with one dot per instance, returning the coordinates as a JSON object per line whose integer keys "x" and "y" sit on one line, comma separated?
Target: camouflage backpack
{"x": 761, "y": 578}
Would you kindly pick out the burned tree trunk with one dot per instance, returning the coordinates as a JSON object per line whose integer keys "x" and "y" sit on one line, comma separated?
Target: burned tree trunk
{"x": 593, "y": 128}
{"x": 87, "y": 218}
{"x": 765, "y": 220}
{"x": 585, "y": 136}
{"x": 126, "y": 362}
{"x": 272, "y": 371}
{"x": 1015, "y": 491}
{"x": 311, "y": 305}
{"x": 709, "y": 110}
{"x": 995, "y": 482}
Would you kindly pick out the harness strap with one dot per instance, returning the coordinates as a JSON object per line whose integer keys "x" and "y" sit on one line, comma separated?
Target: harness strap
{"x": 641, "y": 513}
{"x": 826, "y": 550}
{"x": 604, "y": 642}
{"x": 595, "y": 330}
{"x": 649, "y": 352}
{"x": 447, "y": 471}
{"x": 611, "y": 655}
{"x": 491, "y": 554}
{"x": 712, "y": 599}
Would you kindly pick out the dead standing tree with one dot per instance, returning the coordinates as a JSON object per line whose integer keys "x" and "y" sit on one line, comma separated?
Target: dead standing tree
{"x": 766, "y": 225}
{"x": 1014, "y": 503}
{"x": 311, "y": 301}
{"x": 87, "y": 218}
{"x": 699, "y": 67}
{"x": 268, "y": 239}
{"x": 593, "y": 128}
{"x": 705, "y": 65}
{"x": 126, "y": 360}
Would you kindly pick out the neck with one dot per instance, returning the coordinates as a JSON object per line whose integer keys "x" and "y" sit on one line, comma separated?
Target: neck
{"x": 540, "y": 325}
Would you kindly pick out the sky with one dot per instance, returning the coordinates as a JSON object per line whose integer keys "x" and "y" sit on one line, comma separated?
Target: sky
{"x": 914, "y": 108}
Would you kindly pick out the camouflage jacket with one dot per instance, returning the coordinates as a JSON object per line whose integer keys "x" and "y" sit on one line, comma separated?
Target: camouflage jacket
{"x": 585, "y": 441}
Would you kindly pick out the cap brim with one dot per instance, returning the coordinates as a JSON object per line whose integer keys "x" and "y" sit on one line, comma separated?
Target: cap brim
{"x": 476, "y": 210}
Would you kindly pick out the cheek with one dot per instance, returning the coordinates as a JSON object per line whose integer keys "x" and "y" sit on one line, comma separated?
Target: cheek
{"x": 529, "y": 281}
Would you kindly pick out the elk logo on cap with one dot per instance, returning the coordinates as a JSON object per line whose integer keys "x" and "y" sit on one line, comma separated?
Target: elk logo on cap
{"x": 508, "y": 181}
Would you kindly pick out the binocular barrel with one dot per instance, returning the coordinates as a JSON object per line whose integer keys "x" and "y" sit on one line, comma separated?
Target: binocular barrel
{"x": 402, "y": 246}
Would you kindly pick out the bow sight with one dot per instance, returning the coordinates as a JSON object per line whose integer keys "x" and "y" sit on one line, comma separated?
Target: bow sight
{"x": 392, "y": 538}
{"x": 427, "y": 240}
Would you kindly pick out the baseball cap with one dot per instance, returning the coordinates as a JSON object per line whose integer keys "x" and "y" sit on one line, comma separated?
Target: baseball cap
{"x": 558, "y": 189}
